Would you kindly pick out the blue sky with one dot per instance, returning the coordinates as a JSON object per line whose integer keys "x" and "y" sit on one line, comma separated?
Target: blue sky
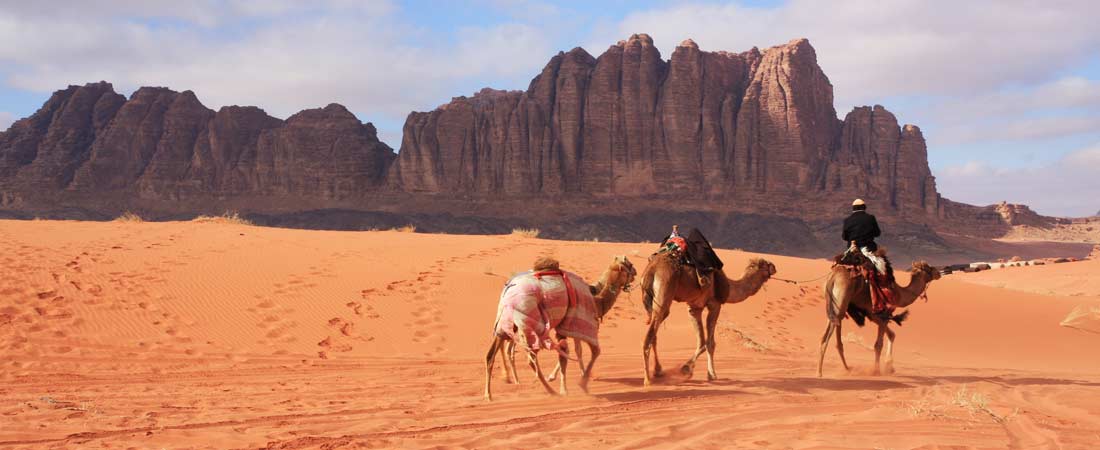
{"x": 1006, "y": 92}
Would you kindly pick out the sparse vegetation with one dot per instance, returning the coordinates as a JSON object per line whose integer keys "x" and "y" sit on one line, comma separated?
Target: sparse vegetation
{"x": 978, "y": 404}
{"x": 129, "y": 217}
{"x": 226, "y": 217}
{"x": 410, "y": 228}
{"x": 975, "y": 404}
{"x": 531, "y": 233}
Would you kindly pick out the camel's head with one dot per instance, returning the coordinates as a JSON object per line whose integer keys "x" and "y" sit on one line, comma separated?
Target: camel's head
{"x": 926, "y": 271}
{"x": 761, "y": 266}
{"x": 622, "y": 273}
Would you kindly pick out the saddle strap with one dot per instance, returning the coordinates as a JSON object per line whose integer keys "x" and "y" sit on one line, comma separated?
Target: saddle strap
{"x": 565, "y": 278}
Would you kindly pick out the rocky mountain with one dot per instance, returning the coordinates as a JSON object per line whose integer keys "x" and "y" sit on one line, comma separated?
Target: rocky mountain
{"x": 746, "y": 145}
{"x": 165, "y": 145}
{"x": 702, "y": 124}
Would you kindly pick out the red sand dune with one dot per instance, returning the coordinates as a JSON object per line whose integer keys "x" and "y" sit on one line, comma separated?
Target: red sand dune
{"x": 208, "y": 335}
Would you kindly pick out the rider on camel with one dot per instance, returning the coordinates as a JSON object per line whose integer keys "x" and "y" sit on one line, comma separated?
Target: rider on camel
{"x": 860, "y": 231}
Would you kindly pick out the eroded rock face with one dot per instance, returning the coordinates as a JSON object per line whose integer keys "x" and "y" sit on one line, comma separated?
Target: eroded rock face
{"x": 165, "y": 145}
{"x": 630, "y": 124}
{"x": 752, "y": 132}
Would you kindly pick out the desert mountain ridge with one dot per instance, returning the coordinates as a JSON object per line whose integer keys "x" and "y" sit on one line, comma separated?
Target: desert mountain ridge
{"x": 747, "y": 146}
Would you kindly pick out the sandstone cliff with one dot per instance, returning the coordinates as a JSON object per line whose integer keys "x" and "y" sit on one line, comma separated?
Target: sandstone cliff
{"x": 628, "y": 123}
{"x": 747, "y": 145}
{"x": 165, "y": 145}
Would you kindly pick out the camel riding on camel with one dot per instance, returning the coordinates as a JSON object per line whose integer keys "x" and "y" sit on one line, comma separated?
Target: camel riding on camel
{"x": 669, "y": 279}
{"x": 861, "y": 285}
{"x": 547, "y": 299}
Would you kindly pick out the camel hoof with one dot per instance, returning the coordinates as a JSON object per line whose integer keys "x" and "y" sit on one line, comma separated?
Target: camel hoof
{"x": 687, "y": 370}
{"x": 551, "y": 378}
{"x": 712, "y": 377}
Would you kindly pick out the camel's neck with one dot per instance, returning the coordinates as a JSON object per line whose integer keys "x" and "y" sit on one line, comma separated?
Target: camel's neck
{"x": 606, "y": 293}
{"x": 749, "y": 284}
{"x": 909, "y": 294}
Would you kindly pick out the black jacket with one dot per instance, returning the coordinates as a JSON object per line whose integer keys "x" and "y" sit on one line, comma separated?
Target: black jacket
{"x": 862, "y": 228}
{"x": 699, "y": 250}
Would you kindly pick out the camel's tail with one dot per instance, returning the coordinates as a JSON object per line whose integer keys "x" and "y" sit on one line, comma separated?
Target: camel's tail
{"x": 898, "y": 319}
{"x": 647, "y": 288}
{"x": 858, "y": 316}
{"x": 830, "y": 302}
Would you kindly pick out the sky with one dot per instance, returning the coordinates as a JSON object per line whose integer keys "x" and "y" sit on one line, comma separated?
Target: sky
{"x": 1006, "y": 92}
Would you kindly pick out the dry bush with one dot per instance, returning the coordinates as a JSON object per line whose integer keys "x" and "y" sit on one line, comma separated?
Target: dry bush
{"x": 226, "y": 217}
{"x": 410, "y": 228}
{"x": 129, "y": 217}
{"x": 526, "y": 232}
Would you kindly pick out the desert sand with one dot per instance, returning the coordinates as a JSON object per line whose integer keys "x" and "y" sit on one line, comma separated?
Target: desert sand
{"x": 217, "y": 335}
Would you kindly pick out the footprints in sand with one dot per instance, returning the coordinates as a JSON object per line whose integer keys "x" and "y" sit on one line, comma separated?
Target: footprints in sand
{"x": 274, "y": 325}
{"x": 344, "y": 330}
{"x": 777, "y": 313}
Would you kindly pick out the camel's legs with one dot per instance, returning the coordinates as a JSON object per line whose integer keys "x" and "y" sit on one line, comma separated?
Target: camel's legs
{"x": 533, "y": 360}
{"x": 507, "y": 351}
{"x": 580, "y": 355}
{"x": 586, "y": 374}
{"x": 840, "y": 346}
{"x": 696, "y": 321}
{"x": 712, "y": 322}
{"x": 563, "y": 362}
{"x": 662, "y": 300}
{"x": 878, "y": 346}
{"x": 580, "y": 361}
{"x": 489, "y": 359}
{"x": 658, "y": 371}
{"x": 829, "y": 327}
{"x": 890, "y": 335}
{"x": 650, "y": 337}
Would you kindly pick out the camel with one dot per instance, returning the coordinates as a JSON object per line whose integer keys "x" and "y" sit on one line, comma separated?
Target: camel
{"x": 606, "y": 292}
{"x": 599, "y": 300}
{"x": 667, "y": 280}
{"x": 847, "y": 294}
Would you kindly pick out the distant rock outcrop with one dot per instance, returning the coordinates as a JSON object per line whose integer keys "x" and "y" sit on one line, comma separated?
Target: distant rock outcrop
{"x": 747, "y": 141}
{"x": 164, "y": 145}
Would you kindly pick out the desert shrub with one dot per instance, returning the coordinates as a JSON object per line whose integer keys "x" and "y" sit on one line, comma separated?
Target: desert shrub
{"x": 226, "y": 217}
{"x": 526, "y": 232}
{"x": 129, "y": 217}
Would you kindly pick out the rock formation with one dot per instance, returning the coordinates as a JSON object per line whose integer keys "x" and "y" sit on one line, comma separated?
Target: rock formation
{"x": 164, "y": 145}
{"x": 742, "y": 140}
{"x": 748, "y": 125}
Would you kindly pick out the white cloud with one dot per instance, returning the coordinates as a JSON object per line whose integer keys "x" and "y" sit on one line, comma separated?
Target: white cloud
{"x": 874, "y": 50}
{"x": 1067, "y": 187}
{"x": 289, "y": 56}
{"x": 6, "y": 119}
{"x": 1066, "y": 93}
{"x": 1025, "y": 129}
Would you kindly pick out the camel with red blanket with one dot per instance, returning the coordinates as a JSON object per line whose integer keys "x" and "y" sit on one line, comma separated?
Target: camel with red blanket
{"x": 847, "y": 293}
{"x": 548, "y": 299}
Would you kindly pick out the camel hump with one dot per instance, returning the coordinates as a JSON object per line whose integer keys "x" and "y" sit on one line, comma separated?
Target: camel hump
{"x": 546, "y": 263}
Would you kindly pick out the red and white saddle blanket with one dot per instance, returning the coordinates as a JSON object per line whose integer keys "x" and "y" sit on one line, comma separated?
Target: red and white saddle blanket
{"x": 534, "y": 303}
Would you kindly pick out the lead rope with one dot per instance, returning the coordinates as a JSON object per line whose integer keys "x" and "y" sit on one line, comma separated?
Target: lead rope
{"x": 800, "y": 282}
